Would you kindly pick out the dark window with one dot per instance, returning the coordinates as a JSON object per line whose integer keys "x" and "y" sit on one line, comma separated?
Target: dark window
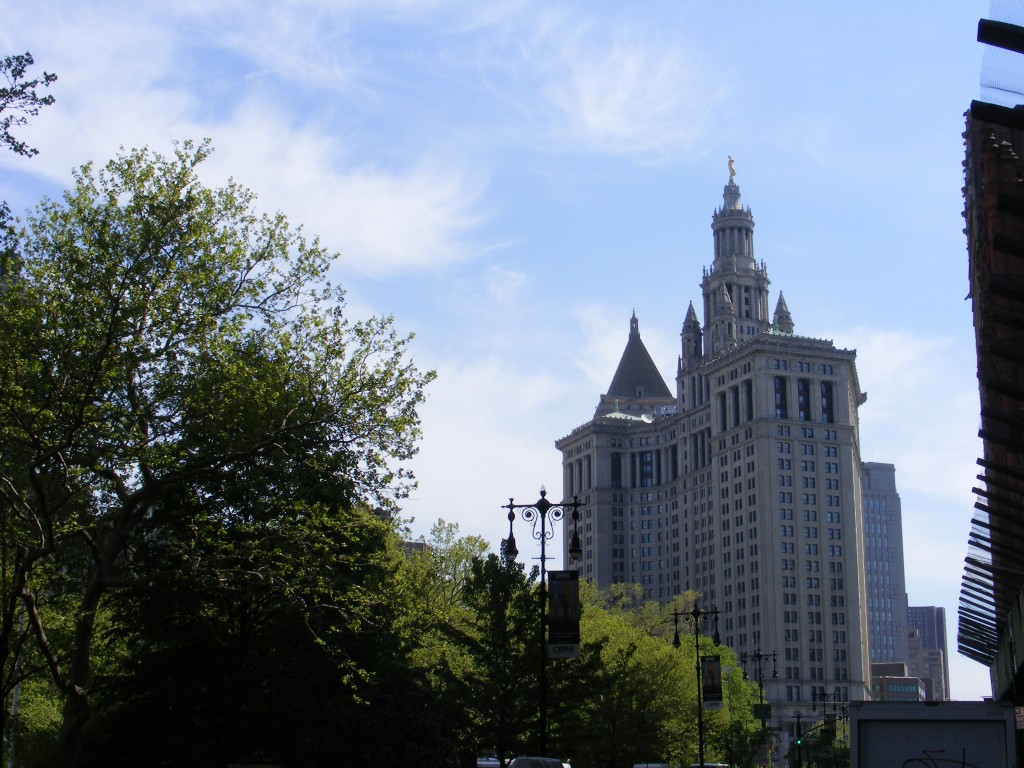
{"x": 803, "y": 399}
{"x": 616, "y": 470}
{"x": 781, "y": 411}
{"x": 646, "y": 469}
{"x": 827, "y": 403}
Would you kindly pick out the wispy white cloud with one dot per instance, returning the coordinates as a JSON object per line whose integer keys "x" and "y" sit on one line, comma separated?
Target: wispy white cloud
{"x": 629, "y": 91}
{"x": 487, "y": 435}
{"x": 123, "y": 83}
{"x": 504, "y": 286}
{"x": 308, "y": 47}
{"x": 380, "y": 220}
{"x": 112, "y": 89}
{"x": 603, "y": 339}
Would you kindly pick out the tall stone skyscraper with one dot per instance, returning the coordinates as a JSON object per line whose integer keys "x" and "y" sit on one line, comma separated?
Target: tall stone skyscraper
{"x": 884, "y": 568}
{"x": 744, "y": 485}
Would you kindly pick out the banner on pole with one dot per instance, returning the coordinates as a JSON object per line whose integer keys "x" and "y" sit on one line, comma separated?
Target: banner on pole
{"x": 563, "y": 614}
{"x": 711, "y": 681}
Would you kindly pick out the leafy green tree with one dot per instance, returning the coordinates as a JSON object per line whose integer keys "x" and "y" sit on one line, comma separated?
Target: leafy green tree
{"x": 503, "y": 688}
{"x": 436, "y": 628}
{"x": 632, "y": 696}
{"x": 20, "y": 100}
{"x": 218, "y": 649}
{"x": 163, "y": 344}
{"x": 263, "y": 642}
{"x": 631, "y": 708}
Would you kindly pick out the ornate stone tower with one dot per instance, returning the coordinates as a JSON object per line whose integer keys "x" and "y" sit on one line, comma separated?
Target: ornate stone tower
{"x": 736, "y": 287}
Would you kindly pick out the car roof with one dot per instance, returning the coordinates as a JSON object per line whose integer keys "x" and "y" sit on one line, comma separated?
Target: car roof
{"x": 536, "y": 762}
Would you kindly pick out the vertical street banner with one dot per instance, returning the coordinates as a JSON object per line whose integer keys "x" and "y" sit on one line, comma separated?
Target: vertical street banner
{"x": 563, "y": 614}
{"x": 711, "y": 681}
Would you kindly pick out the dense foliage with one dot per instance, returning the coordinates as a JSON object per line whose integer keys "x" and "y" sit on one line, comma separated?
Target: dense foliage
{"x": 182, "y": 396}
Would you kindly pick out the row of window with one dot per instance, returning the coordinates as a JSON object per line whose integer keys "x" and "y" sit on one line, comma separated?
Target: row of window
{"x": 784, "y": 430}
{"x": 814, "y": 582}
{"x": 814, "y": 566}
{"x": 806, "y": 449}
{"x": 801, "y": 366}
{"x": 792, "y": 635}
{"x": 813, "y": 617}
{"x": 810, "y": 531}
{"x": 789, "y": 548}
{"x": 806, "y": 409}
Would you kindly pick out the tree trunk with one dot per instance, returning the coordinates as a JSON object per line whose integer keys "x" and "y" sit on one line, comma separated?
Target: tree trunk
{"x": 76, "y": 683}
{"x": 69, "y": 740}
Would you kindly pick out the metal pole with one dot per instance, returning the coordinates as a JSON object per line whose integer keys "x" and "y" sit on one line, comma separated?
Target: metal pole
{"x": 695, "y": 617}
{"x": 700, "y": 695}
{"x": 799, "y": 737}
{"x": 537, "y": 515}
{"x": 543, "y": 644}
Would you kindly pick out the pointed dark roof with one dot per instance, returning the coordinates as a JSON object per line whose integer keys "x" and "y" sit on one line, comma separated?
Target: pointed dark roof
{"x": 637, "y": 376}
{"x": 782, "y": 322}
{"x": 691, "y": 316}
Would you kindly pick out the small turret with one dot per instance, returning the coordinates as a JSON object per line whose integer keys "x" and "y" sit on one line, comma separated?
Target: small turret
{"x": 637, "y": 386}
{"x": 723, "y": 321}
{"x": 782, "y": 321}
{"x": 693, "y": 342}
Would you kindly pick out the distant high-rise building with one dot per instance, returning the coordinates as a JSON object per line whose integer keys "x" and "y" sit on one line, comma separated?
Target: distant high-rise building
{"x": 930, "y": 621}
{"x": 892, "y": 681}
{"x": 744, "y": 485}
{"x": 927, "y": 664}
{"x": 932, "y": 660}
{"x": 885, "y": 573}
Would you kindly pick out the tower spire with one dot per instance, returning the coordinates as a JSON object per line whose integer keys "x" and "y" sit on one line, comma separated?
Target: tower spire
{"x": 693, "y": 344}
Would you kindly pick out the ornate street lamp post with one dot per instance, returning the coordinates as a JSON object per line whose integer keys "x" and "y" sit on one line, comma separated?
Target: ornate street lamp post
{"x": 542, "y": 515}
{"x": 759, "y": 659}
{"x": 695, "y": 617}
{"x": 820, "y": 694}
{"x": 837, "y": 712}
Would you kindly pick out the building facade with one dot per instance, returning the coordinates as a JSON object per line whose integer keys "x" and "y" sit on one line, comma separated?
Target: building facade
{"x": 884, "y": 569}
{"x": 744, "y": 485}
{"x": 928, "y": 654}
{"x": 892, "y": 681}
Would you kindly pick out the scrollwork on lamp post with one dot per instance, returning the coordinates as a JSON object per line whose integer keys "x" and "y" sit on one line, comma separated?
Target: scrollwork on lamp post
{"x": 542, "y": 515}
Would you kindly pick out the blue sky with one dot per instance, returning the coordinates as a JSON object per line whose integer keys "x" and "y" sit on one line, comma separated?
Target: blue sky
{"x": 511, "y": 180}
